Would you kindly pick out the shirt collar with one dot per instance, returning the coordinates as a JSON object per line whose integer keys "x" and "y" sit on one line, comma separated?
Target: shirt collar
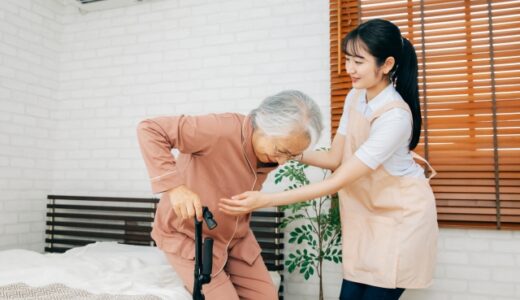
{"x": 380, "y": 98}
{"x": 247, "y": 142}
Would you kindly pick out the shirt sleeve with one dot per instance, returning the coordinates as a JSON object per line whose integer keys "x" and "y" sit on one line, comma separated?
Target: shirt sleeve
{"x": 158, "y": 136}
{"x": 387, "y": 134}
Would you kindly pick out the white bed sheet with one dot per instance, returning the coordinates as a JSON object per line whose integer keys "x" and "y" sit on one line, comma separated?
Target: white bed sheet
{"x": 103, "y": 267}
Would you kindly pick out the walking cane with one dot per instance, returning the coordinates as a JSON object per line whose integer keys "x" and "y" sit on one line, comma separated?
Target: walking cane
{"x": 203, "y": 260}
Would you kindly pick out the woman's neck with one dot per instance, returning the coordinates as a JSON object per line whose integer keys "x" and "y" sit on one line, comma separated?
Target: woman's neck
{"x": 373, "y": 91}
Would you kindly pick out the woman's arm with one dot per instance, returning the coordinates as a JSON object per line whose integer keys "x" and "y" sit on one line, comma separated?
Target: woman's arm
{"x": 330, "y": 159}
{"x": 246, "y": 202}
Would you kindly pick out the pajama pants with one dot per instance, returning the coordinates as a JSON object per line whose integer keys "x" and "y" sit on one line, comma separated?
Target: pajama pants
{"x": 238, "y": 280}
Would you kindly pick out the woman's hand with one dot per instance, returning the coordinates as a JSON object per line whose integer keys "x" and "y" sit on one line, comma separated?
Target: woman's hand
{"x": 244, "y": 203}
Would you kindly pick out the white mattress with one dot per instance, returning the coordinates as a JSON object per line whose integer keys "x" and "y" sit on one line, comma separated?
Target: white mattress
{"x": 103, "y": 267}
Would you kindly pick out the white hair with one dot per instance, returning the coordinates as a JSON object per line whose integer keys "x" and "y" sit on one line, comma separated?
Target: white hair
{"x": 288, "y": 112}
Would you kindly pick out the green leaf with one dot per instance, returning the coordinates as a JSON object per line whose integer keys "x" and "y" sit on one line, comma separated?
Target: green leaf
{"x": 291, "y": 268}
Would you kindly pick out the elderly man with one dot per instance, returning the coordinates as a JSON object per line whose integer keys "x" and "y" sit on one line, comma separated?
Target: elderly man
{"x": 221, "y": 155}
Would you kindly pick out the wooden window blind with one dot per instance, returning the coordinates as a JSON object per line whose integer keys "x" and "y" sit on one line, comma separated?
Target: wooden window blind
{"x": 469, "y": 83}
{"x": 344, "y": 16}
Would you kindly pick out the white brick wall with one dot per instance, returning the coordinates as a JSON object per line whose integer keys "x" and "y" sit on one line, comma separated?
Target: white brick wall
{"x": 29, "y": 50}
{"x": 171, "y": 57}
{"x": 73, "y": 87}
{"x": 475, "y": 264}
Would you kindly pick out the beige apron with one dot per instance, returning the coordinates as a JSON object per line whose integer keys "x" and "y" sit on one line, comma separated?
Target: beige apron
{"x": 389, "y": 223}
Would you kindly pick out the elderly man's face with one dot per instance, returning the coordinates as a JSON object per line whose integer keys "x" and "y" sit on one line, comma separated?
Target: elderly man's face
{"x": 279, "y": 149}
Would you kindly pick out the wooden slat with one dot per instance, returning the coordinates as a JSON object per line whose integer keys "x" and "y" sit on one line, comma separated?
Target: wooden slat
{"x": 101, "y": 208}
{"x": 259, "y": 224}
{"x": 100, "y": 217}
{"x": 104, "y": 199}
{"x": 74, "y": 242}
{"x": 274, "y": 267}
{"x": 105, "y": 226}
{"x": 271, "y": 256}
{"x": 101, "y": 235}
{"x": 270, "y": 245}
{"x": 265, "y": 234}
{"x": 267, "y": 214}
{"x": 56, "y": 249}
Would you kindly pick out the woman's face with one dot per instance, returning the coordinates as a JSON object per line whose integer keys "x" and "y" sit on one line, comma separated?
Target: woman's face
{"x": 278, "y": 149}
{"x": 362, "y": 67}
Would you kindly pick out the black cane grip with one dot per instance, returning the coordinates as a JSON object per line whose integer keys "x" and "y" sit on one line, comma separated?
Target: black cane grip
{"x": 208, "y": 217}
{"x": 207, "y": 256}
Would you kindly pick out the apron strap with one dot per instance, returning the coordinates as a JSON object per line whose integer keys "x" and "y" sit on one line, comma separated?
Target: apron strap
{"x": 432, "y": 170}
{"x": 391, "y": 105}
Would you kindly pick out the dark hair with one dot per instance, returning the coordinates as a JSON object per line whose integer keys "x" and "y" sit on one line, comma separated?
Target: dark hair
{"x": 383, "y": 39}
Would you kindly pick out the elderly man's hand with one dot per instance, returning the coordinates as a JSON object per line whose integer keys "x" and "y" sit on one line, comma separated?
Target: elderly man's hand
{"x": 244, "y": 203}
{"x": 185, "y": 202}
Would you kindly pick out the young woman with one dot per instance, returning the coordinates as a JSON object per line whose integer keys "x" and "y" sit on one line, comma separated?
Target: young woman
{"x": 388, "y": 212}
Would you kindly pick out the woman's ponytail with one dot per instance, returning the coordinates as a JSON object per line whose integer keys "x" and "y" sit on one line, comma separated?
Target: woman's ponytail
{"x": 405, "y": 79}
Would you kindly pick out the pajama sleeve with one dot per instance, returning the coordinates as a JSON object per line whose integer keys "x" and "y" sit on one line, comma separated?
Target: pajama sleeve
{"x": 157, "y": 137}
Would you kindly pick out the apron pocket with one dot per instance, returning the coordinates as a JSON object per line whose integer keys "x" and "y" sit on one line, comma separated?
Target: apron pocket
{"x": 370, "y": 249}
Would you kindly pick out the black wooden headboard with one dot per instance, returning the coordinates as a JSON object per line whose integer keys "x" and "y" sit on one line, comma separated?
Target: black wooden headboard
{"x": 74, "y": 221}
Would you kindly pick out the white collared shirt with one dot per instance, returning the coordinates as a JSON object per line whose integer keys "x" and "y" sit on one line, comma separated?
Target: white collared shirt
{"x": 389, "y": 136}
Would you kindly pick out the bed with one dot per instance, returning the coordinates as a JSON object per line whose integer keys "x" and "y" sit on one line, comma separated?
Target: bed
{"x": 100, "y": 248}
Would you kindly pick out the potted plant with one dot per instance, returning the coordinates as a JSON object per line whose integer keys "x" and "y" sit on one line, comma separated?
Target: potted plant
{"x": 316, "y": 226}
